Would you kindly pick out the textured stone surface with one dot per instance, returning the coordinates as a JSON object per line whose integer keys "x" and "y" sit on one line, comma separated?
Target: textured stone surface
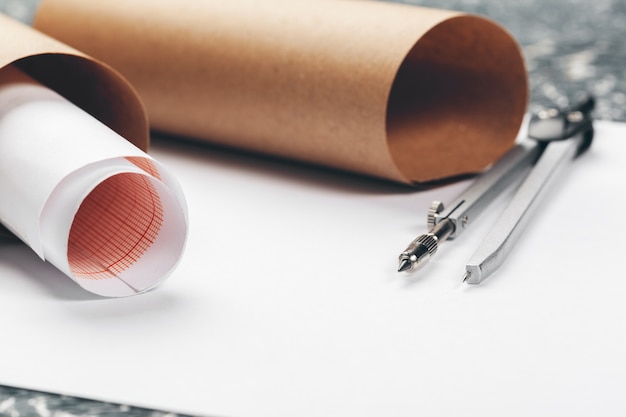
{"x": 570, "y": 46}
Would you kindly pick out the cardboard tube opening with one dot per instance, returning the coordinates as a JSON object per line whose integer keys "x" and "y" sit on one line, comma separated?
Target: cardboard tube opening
{"x": 457, "y": 101}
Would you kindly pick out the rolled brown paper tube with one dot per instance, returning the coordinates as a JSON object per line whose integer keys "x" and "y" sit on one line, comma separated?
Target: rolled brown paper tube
{"x": 393, "y": 91}
{"x": 90, "y": 84}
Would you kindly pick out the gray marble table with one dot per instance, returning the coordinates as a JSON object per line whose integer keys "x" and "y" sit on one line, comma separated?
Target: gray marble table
{"x": 569, "y": 45}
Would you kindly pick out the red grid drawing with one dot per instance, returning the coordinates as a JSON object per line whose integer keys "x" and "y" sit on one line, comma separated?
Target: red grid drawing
{"x": 145, "y": 164}
{"x": 114, "y": 226}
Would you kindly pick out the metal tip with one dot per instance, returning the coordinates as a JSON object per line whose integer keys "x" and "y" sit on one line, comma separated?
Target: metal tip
{"x": 405, "y": 265}
{"x": 467, "y": 276}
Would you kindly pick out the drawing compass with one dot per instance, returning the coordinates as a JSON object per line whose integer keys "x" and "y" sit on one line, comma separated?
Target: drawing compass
{"x": 555, "y": 138}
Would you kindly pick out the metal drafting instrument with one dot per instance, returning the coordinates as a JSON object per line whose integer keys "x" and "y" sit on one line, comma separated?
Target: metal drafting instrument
{"x": 555, "y": 138}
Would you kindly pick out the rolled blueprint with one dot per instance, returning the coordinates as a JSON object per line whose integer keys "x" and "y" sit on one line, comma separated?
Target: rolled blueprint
{"x": 388, "y": 90}
{"x": 83, "y": 197}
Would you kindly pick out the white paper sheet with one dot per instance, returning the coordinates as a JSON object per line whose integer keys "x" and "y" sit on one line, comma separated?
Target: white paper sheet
{"x": 288, "y": 303}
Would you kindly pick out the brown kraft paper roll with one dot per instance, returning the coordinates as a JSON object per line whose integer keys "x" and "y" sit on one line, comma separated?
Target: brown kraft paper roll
{"x": 393, "y": 91}
{"x": 90, "y": 84}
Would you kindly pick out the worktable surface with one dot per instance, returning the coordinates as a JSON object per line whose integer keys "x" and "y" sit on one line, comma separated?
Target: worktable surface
{"x": 569, "y": 45}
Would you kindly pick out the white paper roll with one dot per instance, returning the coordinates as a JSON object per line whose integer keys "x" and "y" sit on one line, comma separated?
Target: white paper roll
{"x": 81, "y": 196}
